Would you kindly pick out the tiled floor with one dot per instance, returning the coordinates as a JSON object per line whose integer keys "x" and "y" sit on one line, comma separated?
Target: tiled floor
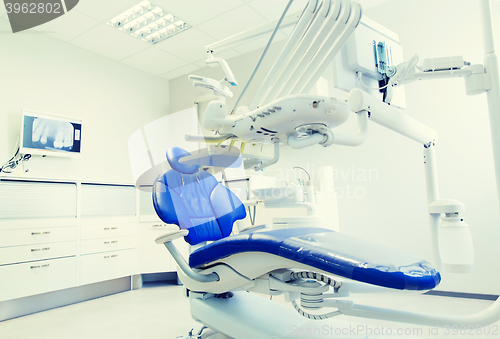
{"x": 161, "y": 311}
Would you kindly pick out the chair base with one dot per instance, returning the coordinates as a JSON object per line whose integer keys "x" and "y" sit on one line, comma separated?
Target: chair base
{"x": 249, "y": 316}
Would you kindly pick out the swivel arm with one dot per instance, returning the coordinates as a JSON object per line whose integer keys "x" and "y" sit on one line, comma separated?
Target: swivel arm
{"x": 166, "y": 240}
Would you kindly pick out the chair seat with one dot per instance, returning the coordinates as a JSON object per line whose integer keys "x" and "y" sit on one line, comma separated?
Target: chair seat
{"x": 329, "y": 251}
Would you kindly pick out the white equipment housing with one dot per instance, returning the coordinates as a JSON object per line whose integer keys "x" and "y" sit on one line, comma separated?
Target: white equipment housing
{"x": 297, "y": 115}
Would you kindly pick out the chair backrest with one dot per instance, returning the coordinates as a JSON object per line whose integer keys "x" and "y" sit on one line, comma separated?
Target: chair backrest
{"x": 194, "y": 200}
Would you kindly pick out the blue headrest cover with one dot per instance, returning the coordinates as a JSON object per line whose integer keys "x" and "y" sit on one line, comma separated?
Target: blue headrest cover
{"x": 174, "y": 154}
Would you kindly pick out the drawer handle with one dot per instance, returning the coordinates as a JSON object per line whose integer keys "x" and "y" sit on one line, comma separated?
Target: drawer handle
{"x": 39, "y": 266}
{"x": 40, "y": 249}
{"x": 110, "y": 256}
{"x": 110, "y": 242}
{"x": 110, "y": 228}
{"x": 40, "y": 233}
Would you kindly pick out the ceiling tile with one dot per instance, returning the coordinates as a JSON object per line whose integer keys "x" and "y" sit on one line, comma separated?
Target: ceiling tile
{"x": 68, "y": 26}
{"x": 102, "y": 10}
{"x": 109, "y": 42}
{"x": 195, "y": 12}
{"x": 233, "y": 22}
{"x": 186, "y": 70}
{"x": 154, "y": 61}
{"x": 192, "y": 51}
{"x": 200, "y": 63}
{"x": 272, "y": 10}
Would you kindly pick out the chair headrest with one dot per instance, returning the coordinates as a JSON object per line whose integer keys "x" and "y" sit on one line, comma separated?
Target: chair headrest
{"x": 174, "y": 154}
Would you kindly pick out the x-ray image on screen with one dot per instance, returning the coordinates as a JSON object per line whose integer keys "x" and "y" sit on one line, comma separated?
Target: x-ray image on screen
{"x": 44, "y": 133}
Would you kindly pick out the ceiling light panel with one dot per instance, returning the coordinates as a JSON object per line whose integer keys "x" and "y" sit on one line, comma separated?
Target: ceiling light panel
{"x": 149, "y": 23}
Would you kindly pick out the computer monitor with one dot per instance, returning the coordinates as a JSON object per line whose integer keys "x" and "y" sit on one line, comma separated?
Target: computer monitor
{"x": 46, "y": 134}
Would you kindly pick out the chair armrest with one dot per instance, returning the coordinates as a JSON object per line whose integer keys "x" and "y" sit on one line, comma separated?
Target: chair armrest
{"x": 166, "y": 240}
{"x": 171, "y": 236}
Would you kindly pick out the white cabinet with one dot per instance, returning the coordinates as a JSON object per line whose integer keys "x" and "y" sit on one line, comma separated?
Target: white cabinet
{"x": 108, "y": 232}
{"x": 57, "y": 235}
{"x": 21, "y": 280}
{"x": 38, "y": 237}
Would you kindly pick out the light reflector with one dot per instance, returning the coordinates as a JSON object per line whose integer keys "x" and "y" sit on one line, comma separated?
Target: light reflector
{"x": 149, "y": 23}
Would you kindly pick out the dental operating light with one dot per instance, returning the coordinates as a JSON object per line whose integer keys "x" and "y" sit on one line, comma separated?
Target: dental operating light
{"x": 149, "y": 23}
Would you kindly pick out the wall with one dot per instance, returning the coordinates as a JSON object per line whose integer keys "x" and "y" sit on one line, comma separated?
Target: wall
{"x": 380, "y": 185}
{"x": 114, "y": 100}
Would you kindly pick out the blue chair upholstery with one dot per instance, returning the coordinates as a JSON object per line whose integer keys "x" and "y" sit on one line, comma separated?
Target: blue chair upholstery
{"x": 330, "y": 251}
{"x": 194, "y": 200}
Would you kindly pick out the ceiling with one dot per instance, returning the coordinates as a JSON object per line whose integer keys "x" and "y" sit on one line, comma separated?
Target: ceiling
{"x": 212, "y": 20}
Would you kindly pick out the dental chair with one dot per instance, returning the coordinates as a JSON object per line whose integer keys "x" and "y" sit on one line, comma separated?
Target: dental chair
{"x": 300, "y": 263}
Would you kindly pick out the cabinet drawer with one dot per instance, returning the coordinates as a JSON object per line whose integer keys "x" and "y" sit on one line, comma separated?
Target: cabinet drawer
{"x": 107, "y": 244}
{"x": 17, "y": 224}
{"x": 154, "y": 258}
{"x": 21, "y": 280}
{"x": 36, "y": 236}
{"x": 108, "y": 231}
{"x": 18, "y": 254}
{"x": 107, "y": 266}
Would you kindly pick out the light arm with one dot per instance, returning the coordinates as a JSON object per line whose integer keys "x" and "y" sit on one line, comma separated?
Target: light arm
{"x": 390, "y": 117}
{"x": 432, "y": 189}
{"x": 229, "y": 76}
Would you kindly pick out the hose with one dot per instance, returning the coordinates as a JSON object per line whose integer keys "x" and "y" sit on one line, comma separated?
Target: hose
{"x": 263, "y": 55}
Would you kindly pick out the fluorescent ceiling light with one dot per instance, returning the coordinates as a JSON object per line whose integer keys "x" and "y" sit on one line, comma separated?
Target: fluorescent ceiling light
{"x": 149, "y": 23}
